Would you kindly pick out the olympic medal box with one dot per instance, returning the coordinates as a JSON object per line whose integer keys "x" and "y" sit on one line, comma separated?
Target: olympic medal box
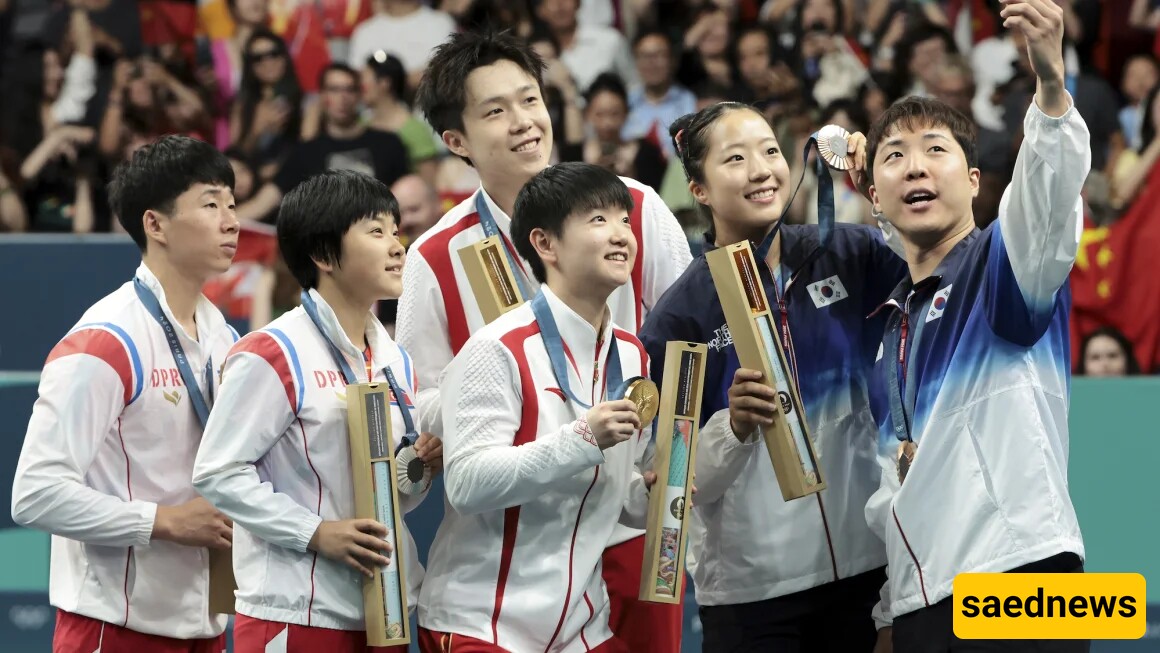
{"x": 747, "y": 311}
{"x": 376, "y": 496}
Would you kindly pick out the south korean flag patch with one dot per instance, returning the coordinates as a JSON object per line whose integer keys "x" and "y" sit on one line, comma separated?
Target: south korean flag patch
{"x": 827, "y": 291}
{"x": 939, "y": 304}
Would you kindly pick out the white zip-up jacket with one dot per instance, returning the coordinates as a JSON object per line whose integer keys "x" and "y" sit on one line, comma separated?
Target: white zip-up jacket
{"x": 276, "y": 460}
{"x": 974, "y": 365}
{"x": 112, "y": 436}
{"x": 438, "y": 312}
{"x": 531, "y": 499}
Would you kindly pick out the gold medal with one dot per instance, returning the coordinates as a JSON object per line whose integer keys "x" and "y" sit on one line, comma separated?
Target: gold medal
{"x": 906, "y": 453}
{"x": 834, "y": 147}
{"x": 646, "y": 396}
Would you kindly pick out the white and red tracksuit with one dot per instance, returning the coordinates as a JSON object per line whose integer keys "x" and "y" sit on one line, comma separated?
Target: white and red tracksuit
{"x": 276, "y": 460}
{"x": 113, "y": 435}
{"x": 438, "y": 312}
{"x": 532, "y": 499}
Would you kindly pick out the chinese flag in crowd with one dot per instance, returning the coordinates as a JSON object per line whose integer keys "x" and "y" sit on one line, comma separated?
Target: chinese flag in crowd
{"x": 1115, "y": 281}
{"x": 233, "y": 291}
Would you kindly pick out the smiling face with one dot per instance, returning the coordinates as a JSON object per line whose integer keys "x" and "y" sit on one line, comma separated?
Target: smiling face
{"x": 371, "y": 264}
{"x": 507, "y": 132}
{"x": 922, "y": 182}
{"x": 594, "y": 253}
{"x": 746, "y": 178}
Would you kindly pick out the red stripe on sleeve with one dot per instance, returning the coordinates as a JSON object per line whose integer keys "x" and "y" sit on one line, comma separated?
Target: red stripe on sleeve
{"x": 264, "y": 346}
{"x": 102, "y": 345}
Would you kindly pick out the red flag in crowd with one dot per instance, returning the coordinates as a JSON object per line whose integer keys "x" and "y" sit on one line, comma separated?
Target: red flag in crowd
{"x": 1115, "y": 282}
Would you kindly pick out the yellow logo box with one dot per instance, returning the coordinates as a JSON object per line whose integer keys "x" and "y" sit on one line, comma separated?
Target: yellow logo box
{"x": 1050, "y": 606}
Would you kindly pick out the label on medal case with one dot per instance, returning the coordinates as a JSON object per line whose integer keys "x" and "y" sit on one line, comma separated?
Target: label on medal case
{"x": 492, "y": 260}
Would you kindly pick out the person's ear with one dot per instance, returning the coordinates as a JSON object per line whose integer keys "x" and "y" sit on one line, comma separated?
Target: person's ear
{"x": 546, "y": 246}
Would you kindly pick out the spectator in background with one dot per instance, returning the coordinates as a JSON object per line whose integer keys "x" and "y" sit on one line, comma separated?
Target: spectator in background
{"x": 1094, "y": 99}
{"x": 917, "y": 55}
{"x": 384, "y": 84}
{"x": 875, "y": 95}
{"x": 147, "y": 101}
{"x": 1140, "y": 76}
{"x": 1132, "y": 168}
{"x": 115, "y": 25}
{"x": 952, "y": 80}
{"x": 827, "y": 63}
{"x": 605, "y": 111}
{"x": 561, "y": 96}
{"x": 419, "y": 207}
{"x": 228, "y": 58}
{"x": 705, "y": 55}
{"x": 407, "y": 29}
{"x": 344, "y": 143}
{"x": 473, "y": 15}
{"x": 587, "y": 50}
{"x": 658, "y": 100}
{"x": 766, "y": 81}
{"x": 1107, "y": 352}
{"x": 266, "y": 118}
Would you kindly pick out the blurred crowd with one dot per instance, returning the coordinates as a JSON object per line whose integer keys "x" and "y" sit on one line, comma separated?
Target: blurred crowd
{"x": 288, "y": 88}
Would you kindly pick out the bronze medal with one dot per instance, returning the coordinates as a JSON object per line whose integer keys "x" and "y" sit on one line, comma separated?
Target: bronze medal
{"x": 834, "y": 147}
{"x": 906, "y": 453}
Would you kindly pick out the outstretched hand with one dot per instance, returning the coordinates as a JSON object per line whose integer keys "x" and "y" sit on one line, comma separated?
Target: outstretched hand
{"x": 1041, "y": 23}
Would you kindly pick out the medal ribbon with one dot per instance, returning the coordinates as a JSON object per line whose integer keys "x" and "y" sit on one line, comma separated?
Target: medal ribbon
{"x": 555, "y": 346}
{"x": 490, "y": 228}
{"x": 349, "y": 375}
{"x": 200, "y": 407}
{"x": 825, "y": 208}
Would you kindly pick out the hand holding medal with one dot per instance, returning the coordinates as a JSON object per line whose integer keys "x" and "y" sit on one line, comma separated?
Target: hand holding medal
{"x": 644, "y": 394}
{"x": 416, "y": 465}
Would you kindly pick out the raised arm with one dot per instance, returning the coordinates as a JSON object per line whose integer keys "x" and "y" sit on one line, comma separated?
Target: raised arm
{"x": 1041, "y": 213}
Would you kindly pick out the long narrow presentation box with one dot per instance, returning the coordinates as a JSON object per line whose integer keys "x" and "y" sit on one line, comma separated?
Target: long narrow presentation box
{"x": 376, "y": 496}
{"x": 662, "y": 579}
{"x": 747, "y": 311}
{"x": 493, "y": 282}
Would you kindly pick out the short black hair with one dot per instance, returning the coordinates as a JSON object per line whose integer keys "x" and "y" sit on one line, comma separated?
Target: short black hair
{"x": 442, "y": 95}
{"x": 607, "y": 83}
{"x": 557, "y": 192}
{"x": 652, "y": 30}
{"x": 317, "y": 213}
{"x": 387, "y": 66}
{"x": 156, "y": 174}
{"x": 914, "y": 113}
{"x": 341, "y": 67}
